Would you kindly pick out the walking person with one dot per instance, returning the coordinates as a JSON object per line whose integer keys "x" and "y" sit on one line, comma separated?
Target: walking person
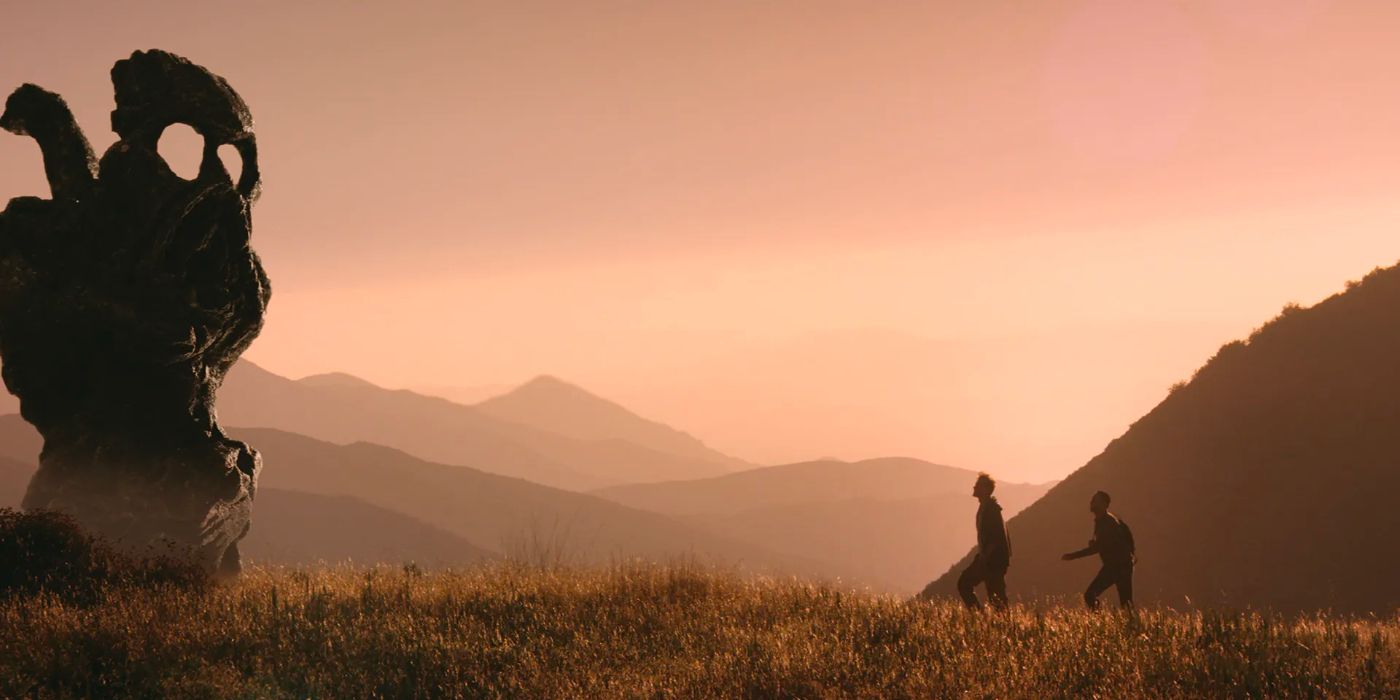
{"x": 1113, "y": 542}
{"x": 993, "y": 557}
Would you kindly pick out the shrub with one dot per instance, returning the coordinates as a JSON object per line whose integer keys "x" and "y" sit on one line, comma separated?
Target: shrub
{"x": 45, "y": 551}
{"x": 48, "y": 552}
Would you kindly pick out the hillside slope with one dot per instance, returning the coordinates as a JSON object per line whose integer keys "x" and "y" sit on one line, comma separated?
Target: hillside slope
{"x": 1268, "y": 480}
{"x": 293, "y": 528}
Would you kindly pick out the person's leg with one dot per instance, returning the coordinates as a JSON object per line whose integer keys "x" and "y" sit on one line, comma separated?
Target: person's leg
{"x": 971, "y": 576}
{"x": 1101, "y": 582}
{"x": 1125, "y": 586}
{"x": 996, "y": 588}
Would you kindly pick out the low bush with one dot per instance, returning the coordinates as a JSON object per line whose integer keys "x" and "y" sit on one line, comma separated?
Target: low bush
{"x": 48, "y": 552}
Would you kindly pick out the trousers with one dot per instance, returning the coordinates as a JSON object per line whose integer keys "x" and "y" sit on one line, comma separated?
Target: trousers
{"x": 1120, "y": 575}
{"x": 980, "y": 571}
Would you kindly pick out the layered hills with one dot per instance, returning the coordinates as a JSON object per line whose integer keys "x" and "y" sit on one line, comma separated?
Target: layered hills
{"x": 319, "y": 501}
{"x": 505, "y": 515}
{"x": 340, "y": 408}
{"x": 886, "y": 523}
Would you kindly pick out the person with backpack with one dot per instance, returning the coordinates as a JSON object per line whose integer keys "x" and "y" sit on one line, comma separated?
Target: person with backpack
{"x": 1113, "y": 542}
{"x": 993, "y": 557}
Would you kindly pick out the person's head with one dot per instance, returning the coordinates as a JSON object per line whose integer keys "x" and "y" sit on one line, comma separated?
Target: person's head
{"x": 984, "y": 486}
{"x": 1098, "y": 505}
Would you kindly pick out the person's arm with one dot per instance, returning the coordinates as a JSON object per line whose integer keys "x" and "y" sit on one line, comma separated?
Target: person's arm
{"x": 1093, "y": 548}
{"x": 1102, "y": 532}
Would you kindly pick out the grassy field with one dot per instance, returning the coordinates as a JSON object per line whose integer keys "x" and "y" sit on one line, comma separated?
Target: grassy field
{"x": 649, "y": 631}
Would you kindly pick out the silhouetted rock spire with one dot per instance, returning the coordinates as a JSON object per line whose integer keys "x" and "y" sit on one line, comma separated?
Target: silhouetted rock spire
{"x": 124, "y": 299}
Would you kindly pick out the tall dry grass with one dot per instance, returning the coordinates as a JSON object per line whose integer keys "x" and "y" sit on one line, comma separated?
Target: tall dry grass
{"x": 651, "y": 631}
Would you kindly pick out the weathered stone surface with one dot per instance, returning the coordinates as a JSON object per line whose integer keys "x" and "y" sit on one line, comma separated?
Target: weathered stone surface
{"x": 124, "y": 300}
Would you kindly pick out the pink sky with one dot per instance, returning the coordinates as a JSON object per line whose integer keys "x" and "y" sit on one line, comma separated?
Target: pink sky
{"x": 746, "y": 218}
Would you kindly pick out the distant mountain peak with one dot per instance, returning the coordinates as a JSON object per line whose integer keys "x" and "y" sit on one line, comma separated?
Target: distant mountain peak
{"x": 547, "y": 391}
{"x": 336, "y": 379}
{"x": 552, "y": 384}
{"x": 550, "y": 403}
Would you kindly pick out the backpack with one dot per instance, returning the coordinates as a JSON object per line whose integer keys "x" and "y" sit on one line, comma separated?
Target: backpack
{"x": 1131, "y": 546}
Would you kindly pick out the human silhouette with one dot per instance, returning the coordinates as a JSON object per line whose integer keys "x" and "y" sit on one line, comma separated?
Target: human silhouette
{"x": 993, "y": 550}
{"x": 1113, "y": 542}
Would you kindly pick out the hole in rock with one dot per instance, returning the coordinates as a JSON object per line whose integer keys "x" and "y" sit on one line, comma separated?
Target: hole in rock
{"x": 24, "y": 169}
{"x": 233, "y": 162}
{"x": 182, "y": 148}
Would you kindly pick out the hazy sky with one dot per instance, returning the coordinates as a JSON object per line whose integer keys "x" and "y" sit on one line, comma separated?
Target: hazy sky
{"x": 745, "y": 217}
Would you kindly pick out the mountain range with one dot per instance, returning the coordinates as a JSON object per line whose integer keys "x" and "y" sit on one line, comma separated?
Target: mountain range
{"x": 321, "y": 502}
{"x": 536, "y": 432}
{"x": 885, "y": 523}
{"x": 506, "y": 515}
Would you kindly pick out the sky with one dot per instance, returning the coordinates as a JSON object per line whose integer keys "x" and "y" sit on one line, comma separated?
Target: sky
{"x": 989, "y": 234}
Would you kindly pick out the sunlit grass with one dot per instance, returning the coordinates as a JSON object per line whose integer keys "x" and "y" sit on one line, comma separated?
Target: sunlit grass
{"x": 645, "y": 631}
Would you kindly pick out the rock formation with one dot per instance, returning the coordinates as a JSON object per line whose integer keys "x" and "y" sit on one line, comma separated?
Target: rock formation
{"x": 124, "y": 300}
